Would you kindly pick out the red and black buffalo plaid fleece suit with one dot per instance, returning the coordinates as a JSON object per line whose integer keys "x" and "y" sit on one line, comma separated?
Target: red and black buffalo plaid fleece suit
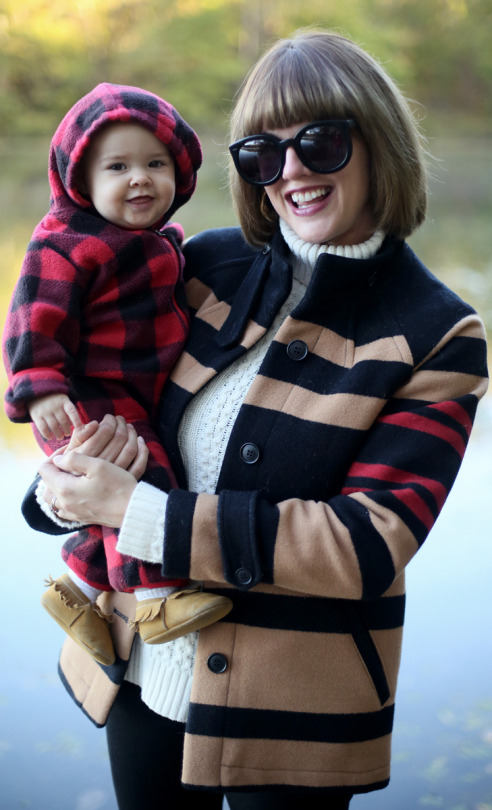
{"x": 99, "y": 313}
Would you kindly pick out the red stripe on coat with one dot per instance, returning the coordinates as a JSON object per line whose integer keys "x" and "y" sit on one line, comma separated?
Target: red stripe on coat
{"x": 415, "y": 421}
{"x": 384, "y": 472}
{"x": 456, "y": 412}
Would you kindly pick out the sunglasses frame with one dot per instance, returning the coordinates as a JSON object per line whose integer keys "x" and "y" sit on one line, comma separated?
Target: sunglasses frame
{"x": 343, "y": 125}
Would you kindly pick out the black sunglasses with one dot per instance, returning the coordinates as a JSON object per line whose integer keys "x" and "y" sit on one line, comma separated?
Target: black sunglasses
{"x": 323, "y": 146}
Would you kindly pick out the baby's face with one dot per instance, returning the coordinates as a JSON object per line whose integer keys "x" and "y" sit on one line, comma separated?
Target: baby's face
{"x": 129, "y": 176}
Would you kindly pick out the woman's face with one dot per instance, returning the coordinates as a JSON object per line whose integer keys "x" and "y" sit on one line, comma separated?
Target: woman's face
{"x": 324, "y": 208}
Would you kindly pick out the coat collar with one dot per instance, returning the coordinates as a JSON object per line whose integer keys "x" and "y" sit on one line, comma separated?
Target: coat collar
{"x": 269, "y": 280}
{"x": 261, "y": 294}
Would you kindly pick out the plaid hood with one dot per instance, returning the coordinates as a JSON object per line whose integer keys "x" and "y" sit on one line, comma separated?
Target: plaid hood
{"x": 109, "y": 103}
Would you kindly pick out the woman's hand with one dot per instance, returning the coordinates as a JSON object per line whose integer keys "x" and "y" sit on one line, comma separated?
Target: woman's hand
{"x": 112, "y": 439}
{"x": 89, "y": 490}
{"x": 93, "y": 477}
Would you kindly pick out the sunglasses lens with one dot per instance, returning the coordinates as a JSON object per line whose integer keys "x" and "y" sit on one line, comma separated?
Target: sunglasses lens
{"x": 259, "y": 160}
{"x": 323, "y": 148}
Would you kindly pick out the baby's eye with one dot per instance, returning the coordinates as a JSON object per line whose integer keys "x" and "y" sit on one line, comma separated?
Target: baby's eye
{"x": 156, "y": 164}
{"x": 117, "y": 167}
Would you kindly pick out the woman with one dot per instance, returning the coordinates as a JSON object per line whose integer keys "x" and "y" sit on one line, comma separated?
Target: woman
{"x": 316, "y": 423}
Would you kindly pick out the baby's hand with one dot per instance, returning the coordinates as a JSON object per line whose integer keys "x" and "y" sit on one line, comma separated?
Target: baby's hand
{"x": 54, "y": 416}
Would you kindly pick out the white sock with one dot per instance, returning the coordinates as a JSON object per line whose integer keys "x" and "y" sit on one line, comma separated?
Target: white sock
{"x": 154, "y": 593}
{"x": 87, "y": 590}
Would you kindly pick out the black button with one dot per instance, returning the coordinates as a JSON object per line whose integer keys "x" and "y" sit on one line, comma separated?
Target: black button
{"x": 297, "y": 350}
{"x": 217, "y": 663}
{"x": 249, "y": 453}
{"x": 243, "y": 576}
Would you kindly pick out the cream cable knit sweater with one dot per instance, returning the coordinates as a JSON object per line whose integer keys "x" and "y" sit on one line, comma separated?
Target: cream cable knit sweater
{"x": 164, "y": 671}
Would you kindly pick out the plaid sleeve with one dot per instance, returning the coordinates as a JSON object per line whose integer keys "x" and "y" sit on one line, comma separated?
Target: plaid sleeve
{"x": 42, "y": 329}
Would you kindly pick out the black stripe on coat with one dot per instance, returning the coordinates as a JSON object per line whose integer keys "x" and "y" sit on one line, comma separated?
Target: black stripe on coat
{"x": 270, "y": 724}
{"x": 310, "y": 614}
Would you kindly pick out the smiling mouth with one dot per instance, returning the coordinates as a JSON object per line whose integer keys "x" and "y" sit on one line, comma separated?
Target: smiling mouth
{"x": 301, "y": 199}
{"x": 140, "y": 200}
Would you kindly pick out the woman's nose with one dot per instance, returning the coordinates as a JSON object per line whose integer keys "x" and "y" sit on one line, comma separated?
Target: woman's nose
{"x": 293, "y": 166}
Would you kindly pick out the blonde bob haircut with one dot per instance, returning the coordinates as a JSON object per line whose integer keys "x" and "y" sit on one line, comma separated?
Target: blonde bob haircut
{"x": 318, "y": 75}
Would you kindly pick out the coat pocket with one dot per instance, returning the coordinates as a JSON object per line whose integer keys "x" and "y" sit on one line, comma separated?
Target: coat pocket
{"x": 358, "y": 629}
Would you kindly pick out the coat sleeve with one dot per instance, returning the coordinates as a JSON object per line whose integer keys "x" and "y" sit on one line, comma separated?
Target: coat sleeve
{"x": 35, "y": 517}
{"x": 357, "y": 543}
{"x": 42, "y": 329}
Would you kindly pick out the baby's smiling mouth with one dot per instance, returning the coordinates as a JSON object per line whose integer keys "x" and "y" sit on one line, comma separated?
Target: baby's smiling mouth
{"x": 142, "y": 198}
{"x": 303, "y": 198}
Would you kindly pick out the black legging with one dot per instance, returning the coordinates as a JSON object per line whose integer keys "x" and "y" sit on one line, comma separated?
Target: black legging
{"x": 146, "y": 751}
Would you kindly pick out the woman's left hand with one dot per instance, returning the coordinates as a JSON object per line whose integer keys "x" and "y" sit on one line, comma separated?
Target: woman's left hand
{"x": 88, "y": 490}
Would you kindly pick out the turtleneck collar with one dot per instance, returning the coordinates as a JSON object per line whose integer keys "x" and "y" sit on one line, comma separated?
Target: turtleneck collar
{"x": 306, "y": 253}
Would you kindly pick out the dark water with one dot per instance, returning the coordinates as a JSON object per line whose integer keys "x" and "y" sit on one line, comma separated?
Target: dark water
{"x": 52, "y": 758}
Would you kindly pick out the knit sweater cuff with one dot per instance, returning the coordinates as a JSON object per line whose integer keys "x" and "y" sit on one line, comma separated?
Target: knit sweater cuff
{"x": 142, "y": 532}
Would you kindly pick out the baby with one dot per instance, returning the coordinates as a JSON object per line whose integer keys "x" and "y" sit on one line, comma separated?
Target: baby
{"x": 97, "y": 320}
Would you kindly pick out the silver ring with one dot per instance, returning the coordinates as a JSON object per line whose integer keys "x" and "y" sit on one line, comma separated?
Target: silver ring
{"x": 53, "y": 505}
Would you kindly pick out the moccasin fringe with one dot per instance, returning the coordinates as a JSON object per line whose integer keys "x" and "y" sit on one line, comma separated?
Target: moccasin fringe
{"x": 147, "y": 612}
{"x": 69, "y": 598}
{"x": 66, "y": 594}
{"x": 108, "y": 617}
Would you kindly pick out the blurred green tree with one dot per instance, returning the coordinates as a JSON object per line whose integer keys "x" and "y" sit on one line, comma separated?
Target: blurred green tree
{"x": 196, "y": 52}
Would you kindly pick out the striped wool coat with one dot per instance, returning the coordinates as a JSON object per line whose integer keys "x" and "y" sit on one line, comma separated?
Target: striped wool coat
{"x": 339, "y": 463}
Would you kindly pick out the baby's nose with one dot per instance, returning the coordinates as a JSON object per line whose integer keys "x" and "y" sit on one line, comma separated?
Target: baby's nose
{"x": 139, "y": 177}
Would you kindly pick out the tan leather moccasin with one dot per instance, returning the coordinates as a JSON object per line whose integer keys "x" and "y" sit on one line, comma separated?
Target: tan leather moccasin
{"x": 80, "y": 618}
{"x": 164, "y": 619}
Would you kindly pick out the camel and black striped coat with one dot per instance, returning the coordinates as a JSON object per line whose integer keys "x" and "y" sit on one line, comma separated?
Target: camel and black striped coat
{"x": 337, "y": 467}
{"x": 338, "y": 464}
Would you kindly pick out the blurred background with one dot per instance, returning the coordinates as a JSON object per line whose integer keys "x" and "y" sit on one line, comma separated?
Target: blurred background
{"x": 195, "y": 54}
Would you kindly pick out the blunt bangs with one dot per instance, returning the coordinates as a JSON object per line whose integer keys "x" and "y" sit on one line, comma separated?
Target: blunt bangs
{"x": 293, "y": 86}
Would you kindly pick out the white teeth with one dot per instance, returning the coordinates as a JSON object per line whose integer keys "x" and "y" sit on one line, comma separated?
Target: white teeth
{"x": 301, "y": 197}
